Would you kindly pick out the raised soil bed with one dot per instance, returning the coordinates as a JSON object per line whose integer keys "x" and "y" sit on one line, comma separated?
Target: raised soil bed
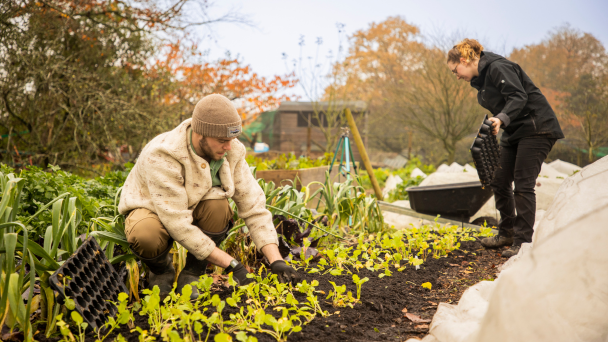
{"x": 380, "y": 316}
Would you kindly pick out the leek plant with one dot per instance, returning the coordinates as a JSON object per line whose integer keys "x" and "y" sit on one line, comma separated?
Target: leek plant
{"x": 61, "y": 239}
{"x": 342, "y": 201}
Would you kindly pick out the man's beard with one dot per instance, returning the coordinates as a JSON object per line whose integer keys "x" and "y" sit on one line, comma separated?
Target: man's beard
{"x": 207, "y": 152}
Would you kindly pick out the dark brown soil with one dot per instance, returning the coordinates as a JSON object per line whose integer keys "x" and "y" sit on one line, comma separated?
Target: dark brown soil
{"x": 379, "y": 316}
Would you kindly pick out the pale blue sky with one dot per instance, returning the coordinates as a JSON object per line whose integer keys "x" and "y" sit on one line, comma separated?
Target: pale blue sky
{"x": 500, "y": 25}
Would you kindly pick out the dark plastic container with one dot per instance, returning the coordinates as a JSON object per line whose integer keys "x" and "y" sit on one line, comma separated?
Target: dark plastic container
{"x": 486, "y": 153}
{"x": 94, "y": 283}
{"x": 457, "y": 201}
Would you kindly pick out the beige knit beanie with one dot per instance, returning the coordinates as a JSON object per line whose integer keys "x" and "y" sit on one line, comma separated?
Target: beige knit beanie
{"x": 215, "y": 116}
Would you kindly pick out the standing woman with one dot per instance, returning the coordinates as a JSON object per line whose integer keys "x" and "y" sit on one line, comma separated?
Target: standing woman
{"x": 530, "y": 131}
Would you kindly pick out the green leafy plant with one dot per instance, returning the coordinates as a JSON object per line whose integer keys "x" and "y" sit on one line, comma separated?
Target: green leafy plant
{"x": 339, "y": 296}
{"x": 82, "y": 326}
{"x": 359, "y": 282}
{"x": 288, "y": 162}
{"x": 123, "y": 316}
{"x": 282, "y": 327}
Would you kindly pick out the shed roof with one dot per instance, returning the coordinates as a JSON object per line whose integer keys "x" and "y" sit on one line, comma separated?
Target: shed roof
{"x": 297, "y": 106}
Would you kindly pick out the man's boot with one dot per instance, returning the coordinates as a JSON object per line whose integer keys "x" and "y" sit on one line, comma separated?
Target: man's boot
{"x": 162, "y": 273}
{"x": 191, "y": 273}
{"x": 195, "y": 268}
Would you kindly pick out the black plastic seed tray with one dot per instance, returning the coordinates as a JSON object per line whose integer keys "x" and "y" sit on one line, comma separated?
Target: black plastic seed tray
{"x": 486, "y": 153}
{"x": 458, "y": 201}
{"x": 93, "y": 284}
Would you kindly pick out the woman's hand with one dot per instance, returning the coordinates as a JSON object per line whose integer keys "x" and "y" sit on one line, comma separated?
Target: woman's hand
{"x": 496, "y": 123}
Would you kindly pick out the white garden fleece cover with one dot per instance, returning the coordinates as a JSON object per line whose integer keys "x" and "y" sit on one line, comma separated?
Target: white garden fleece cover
{"x": 555, "y": 289}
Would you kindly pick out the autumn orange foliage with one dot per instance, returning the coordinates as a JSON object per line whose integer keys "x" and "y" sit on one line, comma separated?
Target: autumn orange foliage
{"x": 251, "y": 93}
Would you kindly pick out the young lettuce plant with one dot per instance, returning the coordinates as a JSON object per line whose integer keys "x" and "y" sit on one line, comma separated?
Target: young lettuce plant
{"x": 64, "y": 329}
{"x": 282, "y": 327}
{"x": 123, "y": 316}
{"x": 80, "y": 323}
{"x": 312, "y": 301}
{"x": 339, "y": 298}
{"x": 143, "y": 335}
{"x": 359, "y": 282}
{"x": 152, "y": 306}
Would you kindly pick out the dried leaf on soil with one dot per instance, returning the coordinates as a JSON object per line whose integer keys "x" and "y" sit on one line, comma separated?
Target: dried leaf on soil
{"x": 416, "y": 318}
{"x": 220, "y": 280}
{"x": 422, "y": 326}
{"x": 404, "y": 310}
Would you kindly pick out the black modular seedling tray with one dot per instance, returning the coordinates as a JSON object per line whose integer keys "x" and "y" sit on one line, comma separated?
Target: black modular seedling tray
{"x": 458, "y": 201}
{"x": 486, "y": 153}
{"x": 94, "y": 283}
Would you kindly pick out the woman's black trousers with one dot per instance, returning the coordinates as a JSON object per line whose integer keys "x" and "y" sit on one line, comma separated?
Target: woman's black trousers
{"x": 519, "y": 164}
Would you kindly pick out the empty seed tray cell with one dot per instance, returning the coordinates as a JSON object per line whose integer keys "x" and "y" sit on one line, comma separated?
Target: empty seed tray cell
{"x": 89, "y": 279}
{"x": 486, "y": 153}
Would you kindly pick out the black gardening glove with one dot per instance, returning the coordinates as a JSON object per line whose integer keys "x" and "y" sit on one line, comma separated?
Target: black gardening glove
{"x": 239, "y": 274}
{"x": 284, "y": 272}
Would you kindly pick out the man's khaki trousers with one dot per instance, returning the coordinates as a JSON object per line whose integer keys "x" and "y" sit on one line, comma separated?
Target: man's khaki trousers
{"x": 148, "y": 237}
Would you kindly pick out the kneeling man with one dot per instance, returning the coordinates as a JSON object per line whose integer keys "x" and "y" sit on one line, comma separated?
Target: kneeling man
{"x": 179, "y": 189}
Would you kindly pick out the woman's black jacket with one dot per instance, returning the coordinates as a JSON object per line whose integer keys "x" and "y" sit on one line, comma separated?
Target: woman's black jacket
{"x": 509, "y": 94}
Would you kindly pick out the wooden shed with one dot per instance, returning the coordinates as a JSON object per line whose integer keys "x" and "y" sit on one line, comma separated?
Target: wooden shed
{"x": 298, "y": 126}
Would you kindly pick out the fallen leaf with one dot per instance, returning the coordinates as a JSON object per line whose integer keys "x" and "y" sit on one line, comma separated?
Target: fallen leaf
{"x": 416, "y": 318}
{"x": 392, "y": 326}
{"x": 404, "y": 310}
{"x": 427, "y": 285}
{"x": 433, "y": 303}
{"x": 422, "y": 326}
{"x": 454, "y": 265}
{"x": 220, "y": 280}
{"x": 467, "y": 272}
{"x": 464, "y": 263}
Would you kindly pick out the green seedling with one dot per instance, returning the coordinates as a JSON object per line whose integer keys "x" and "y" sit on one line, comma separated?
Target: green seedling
{"x": 216, "y": 318}
{"x": 152, "y": 306}
{"x": 282, "y": 327}
{"x": 123, "y": 316}
{"x": 359, "y": 282}
{"x": 339, "y": 296}
{"x": 304, "y": 287}
{"x": 143, "y": 335}
{"x": 242, "y": 336}
{"x": 82, "y": 326}
{"x": 64, "y": 329}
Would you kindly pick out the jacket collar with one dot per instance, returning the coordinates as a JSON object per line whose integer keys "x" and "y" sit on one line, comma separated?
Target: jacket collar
{"x": 485, "y": 59}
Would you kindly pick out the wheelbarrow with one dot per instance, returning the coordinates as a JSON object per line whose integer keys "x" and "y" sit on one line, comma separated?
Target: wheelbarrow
{"x": 458, "y": 201}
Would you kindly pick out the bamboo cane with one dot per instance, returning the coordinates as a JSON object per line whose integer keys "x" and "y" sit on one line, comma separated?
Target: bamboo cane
{"x": 363, "y": 153}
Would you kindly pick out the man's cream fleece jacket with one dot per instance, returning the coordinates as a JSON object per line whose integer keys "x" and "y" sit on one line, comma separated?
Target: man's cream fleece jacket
{"x": 170, "y": 180}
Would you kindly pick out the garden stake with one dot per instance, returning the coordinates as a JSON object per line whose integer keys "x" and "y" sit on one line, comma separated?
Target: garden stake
{"x": 363, "y": 153}
{"x": 303, "y": 220}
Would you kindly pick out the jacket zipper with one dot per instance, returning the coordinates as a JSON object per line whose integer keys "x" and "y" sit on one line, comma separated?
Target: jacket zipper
{"x": 533, "y": 122}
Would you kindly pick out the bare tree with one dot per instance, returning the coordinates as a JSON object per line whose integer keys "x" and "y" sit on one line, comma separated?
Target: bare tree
{"x": 318, "y": 81}
{"x": 587, "y": 106}
{"x": 437, "y": 104}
